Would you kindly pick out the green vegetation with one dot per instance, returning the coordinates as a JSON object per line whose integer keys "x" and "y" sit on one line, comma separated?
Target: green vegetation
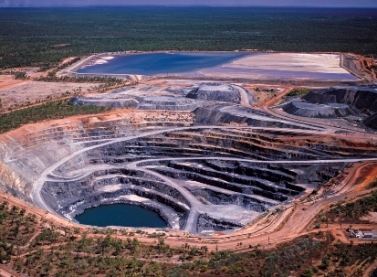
{"x": 356, "y": 209}
{"x": 372, "y": 185}
{"x": 39, "y": 248}
{"x": 48, "y": 66}
{"x": 42, "y": 37}
{"x": 300, "y": 258}
{"x": 347, "y": 255}
{"x": 298, "y": 92}
{"x": 107, "y": 81}
{"x": 16, "y": 228}
{"x": 51, "y": 110}
{"x": 36, "y": 247}
{"x": 20, "y": 75}
{"x": 284, "y": 260}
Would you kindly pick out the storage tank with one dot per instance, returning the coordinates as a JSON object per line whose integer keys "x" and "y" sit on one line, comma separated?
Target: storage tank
{"x": 368, "y": 235}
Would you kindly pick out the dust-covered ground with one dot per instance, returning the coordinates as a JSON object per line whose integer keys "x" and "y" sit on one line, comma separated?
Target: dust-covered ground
{"x": 17, "y": 93}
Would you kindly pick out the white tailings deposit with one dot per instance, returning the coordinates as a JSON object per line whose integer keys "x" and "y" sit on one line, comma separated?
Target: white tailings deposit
{"x": 293, "y": 66}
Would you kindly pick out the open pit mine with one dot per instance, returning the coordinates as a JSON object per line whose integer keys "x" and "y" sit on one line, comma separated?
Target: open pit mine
{"x": 206, "y": 155}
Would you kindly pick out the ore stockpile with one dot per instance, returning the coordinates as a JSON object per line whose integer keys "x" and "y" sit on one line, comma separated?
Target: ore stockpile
{"x": 356, "y": 104}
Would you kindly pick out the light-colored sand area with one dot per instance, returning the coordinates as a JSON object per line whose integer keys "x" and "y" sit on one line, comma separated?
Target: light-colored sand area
{"x": 323, "y": 63}
{"x": 285, "y": 66}
{"x": 14, "y": 93}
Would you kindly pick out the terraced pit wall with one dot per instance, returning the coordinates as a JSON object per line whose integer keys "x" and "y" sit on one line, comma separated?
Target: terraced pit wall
{"x": 197, "y": 169}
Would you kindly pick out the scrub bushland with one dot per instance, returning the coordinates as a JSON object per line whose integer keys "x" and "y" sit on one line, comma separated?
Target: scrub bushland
{"x": 50, "y": 110}
{"x": 37, "y": 247}
{"x": 44, "y": 36}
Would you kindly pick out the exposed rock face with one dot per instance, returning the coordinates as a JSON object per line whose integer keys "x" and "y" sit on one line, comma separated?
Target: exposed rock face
{"x": 330, "y": 110}
{"x": 225, "y": 194}
{"x": 214, "y": 168}
{"x": 25, "y": 153}
{"x": 240, "y": 115}
{"x": 120, "y": 103}
{"x": 166, "y": 103}
{"x": 131, "y": 97}
{"x": 363, "y": 99}
{"x": 338, "y": 102}
{"x": 207, "y": 223}
{"x": 371, "y": 121}
{"x": 13, "y": 181}
{"x": 215, "y": 92}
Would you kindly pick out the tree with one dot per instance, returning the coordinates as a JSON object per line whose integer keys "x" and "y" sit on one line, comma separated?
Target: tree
{"x": 20, "y": 75}
{"x": 51, "y": 74}
{"x": 307, "y": 273}
{"x": 160, "y": 244}
{"x": 325, "y": 263}
{"x": 205, "y": 250}
{"x": 105, "y": 243}
{"x": 5, "y": 252}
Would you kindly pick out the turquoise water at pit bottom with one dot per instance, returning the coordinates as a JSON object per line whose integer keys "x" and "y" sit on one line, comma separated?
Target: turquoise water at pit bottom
{"x": 121, "y": 215}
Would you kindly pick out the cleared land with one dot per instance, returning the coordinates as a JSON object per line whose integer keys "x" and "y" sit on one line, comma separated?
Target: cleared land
{"x": 17, "y": 93}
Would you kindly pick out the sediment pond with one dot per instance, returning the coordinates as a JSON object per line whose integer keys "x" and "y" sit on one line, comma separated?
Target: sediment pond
{"x": 257, "y": 66}
{"x": 159, "y": 63}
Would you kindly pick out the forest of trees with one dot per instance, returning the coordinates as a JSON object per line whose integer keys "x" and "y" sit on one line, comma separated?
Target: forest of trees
{"x": 42, "y": 37}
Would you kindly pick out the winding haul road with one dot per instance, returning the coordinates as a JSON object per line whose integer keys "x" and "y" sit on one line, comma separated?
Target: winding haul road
{"x": 304, "y": 126}
{"x": 295, "y": 220}
{"x": 43, "y": 177}
{"x": 196, "y": 207}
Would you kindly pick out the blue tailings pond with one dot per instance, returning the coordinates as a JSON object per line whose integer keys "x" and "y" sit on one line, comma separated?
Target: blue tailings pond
{"x": 160, "y": 63}
{"x": 121, "y": 215}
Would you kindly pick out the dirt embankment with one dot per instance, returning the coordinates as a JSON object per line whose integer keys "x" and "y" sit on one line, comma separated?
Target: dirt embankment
{"x": 362, "y": 67}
